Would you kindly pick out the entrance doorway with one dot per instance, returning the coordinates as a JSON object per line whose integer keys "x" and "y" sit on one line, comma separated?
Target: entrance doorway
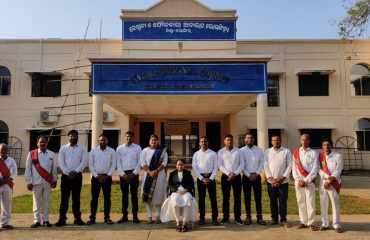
{"x": 146, "y": 129}
{"x": 213, "y": 133}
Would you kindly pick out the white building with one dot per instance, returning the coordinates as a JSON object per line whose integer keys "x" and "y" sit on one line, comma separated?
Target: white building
{"x": 321, "y": 87}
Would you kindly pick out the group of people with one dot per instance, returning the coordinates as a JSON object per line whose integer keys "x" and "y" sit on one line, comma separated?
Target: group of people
{"x": 175, "y": 198}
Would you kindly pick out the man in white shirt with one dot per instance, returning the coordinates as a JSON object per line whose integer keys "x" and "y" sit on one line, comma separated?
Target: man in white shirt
{"x": 41, "y": 176}
{"x": 231, "y": 164}
{"x": 253, "y": 166}
{"x": 8, "y": 172}
{"x": 72, "y": 161}
{"x": 304, "y": 168}
{"x": 331, "y": 166}
{"x": 205, "y": 165}
{"x": 278, "y": 165}
{"x": 102, "y": 164}
{"x": 128, "y": 166}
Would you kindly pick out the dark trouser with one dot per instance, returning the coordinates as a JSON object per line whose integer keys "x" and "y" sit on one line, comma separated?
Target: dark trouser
{"x": 134, "y": 184}
{"x": 236, "y": 184}
{"x": 257, "y": 190}
{"x": 278, "y": 194}
{"x": 67, "y": 186}
{"x": 202, "y": 198}
{"x": 95, "y": 192}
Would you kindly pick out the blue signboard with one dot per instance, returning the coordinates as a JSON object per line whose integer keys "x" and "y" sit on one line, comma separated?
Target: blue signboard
{"x": 180, "y": 30}
{"x": 179, "y": 78}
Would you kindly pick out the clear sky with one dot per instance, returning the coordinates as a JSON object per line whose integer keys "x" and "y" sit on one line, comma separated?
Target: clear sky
{"x": 258, "y": 19}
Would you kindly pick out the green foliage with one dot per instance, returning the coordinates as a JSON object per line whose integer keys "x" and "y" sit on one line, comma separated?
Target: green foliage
{"x": 355, "y": 24}
{"x": 348, "y": 204}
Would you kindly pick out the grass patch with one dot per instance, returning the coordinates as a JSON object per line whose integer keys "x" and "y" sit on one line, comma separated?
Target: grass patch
{"x": 348, "y": 204}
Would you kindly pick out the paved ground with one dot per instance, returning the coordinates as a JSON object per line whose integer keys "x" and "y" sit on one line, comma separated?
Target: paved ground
{"x": 355, "y": 226}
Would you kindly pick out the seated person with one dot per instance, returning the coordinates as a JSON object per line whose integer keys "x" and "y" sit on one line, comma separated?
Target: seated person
{"x": 181, "y": 204}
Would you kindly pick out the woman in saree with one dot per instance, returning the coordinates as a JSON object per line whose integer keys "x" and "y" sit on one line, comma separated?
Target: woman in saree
{"x": 153, "y": 160}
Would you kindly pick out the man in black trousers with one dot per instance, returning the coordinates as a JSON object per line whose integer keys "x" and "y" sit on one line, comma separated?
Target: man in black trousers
{"x": 128, "y": 166}
{"x": 205, "y": 165}
{"x": 72, "y": 161}
{"x": 231, "y": 165}
{"x": 253, "y": 166}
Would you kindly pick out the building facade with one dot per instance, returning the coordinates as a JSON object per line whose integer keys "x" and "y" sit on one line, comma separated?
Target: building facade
{"x": 320, "y": 87}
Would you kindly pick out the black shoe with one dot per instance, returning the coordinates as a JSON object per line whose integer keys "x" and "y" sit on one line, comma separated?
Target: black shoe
{"x": 239, "y": 222}
{"x": 201, "y": 222}
{"x": 60, "y": 223}
{"x": 225, "y": 221}
{"x": 36, "y": 225}
{"x": 108, "y": 221}
{"x": 48, "y": 224}
{"x": 248, "y": 221}
{"x": 90, "y": 222}
{"x": 135, "y": 219}
{"x": 7, "y": 226}
{"x": 260, "y": 221}
{"x": 79, "y": 222}
{"x": 215, "y": 222}
{"x": 123, "y": 219}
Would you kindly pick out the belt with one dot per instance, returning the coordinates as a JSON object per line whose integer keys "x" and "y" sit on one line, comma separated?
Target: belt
{"x": 102, "y": 174}
{"x": 206, "y": 175}
{"x": 129, "y": 171}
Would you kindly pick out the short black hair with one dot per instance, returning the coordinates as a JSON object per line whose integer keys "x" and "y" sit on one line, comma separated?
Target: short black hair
{"x": 228, "y": 135}
{"x": 249, "y": 133}
{"x": 205, "y": 137}
{"x": 103, "y": 135}
{"x": 130, "y": 133}
{"x": 275, "y": 135}
{"x": 72, "y": 132}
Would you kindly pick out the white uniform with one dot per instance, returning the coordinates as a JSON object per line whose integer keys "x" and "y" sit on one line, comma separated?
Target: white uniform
{"x": 306, "y": 195}
{"x": 335, "y": 164}
{"x": 278, "y": 163}
{"x": 205, "y": 162}
{"x": 230, "y": 161}
{"x": 41, "y": 188}
{"x": 253, "y": 160}
{"x": 6, "y": 192}
{"x": 102, "y": 161}
{"x": 72, "y": 158}
{"x": 128, "y": 158}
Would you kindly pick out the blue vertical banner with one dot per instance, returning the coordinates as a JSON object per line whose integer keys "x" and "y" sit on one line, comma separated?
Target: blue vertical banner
{"x": 181, "y": 30}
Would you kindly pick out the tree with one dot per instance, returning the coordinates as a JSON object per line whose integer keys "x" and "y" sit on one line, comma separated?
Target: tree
{"x": 355, "y": 24}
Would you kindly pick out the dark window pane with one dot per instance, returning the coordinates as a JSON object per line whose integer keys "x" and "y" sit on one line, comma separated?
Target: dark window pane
{"x": 273, "y": 94}
{"x": 360, "y": 140}
{"x": 313, "y": 85}
{"x": 54, "y": 139}
{"x": 317, "y": 135}
{"x": 46, "y": 85}
{"x": 5, "y": 81}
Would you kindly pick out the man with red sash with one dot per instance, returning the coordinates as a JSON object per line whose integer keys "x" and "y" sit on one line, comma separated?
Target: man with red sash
{"x": 41, "y": 176}
{"x": 331, "y": 166}
{"x": 304, "y": 168}
{"x": 8, "y": 171}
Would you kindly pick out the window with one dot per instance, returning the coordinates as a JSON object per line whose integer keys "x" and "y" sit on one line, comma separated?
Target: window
{"x": 5, "y": 81}
{"x": 273, "y": 94}
{"x": 363, "y": 134}
{"x": 360, "y": 80}
{"x": 313, "y": 84}
{"x": 46, "y": 85}
{"x": 317, "y": 135}
{"x": 54, "y": 139}
{"x": 4, "y": 132}
{"x": 113, "y": 139}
